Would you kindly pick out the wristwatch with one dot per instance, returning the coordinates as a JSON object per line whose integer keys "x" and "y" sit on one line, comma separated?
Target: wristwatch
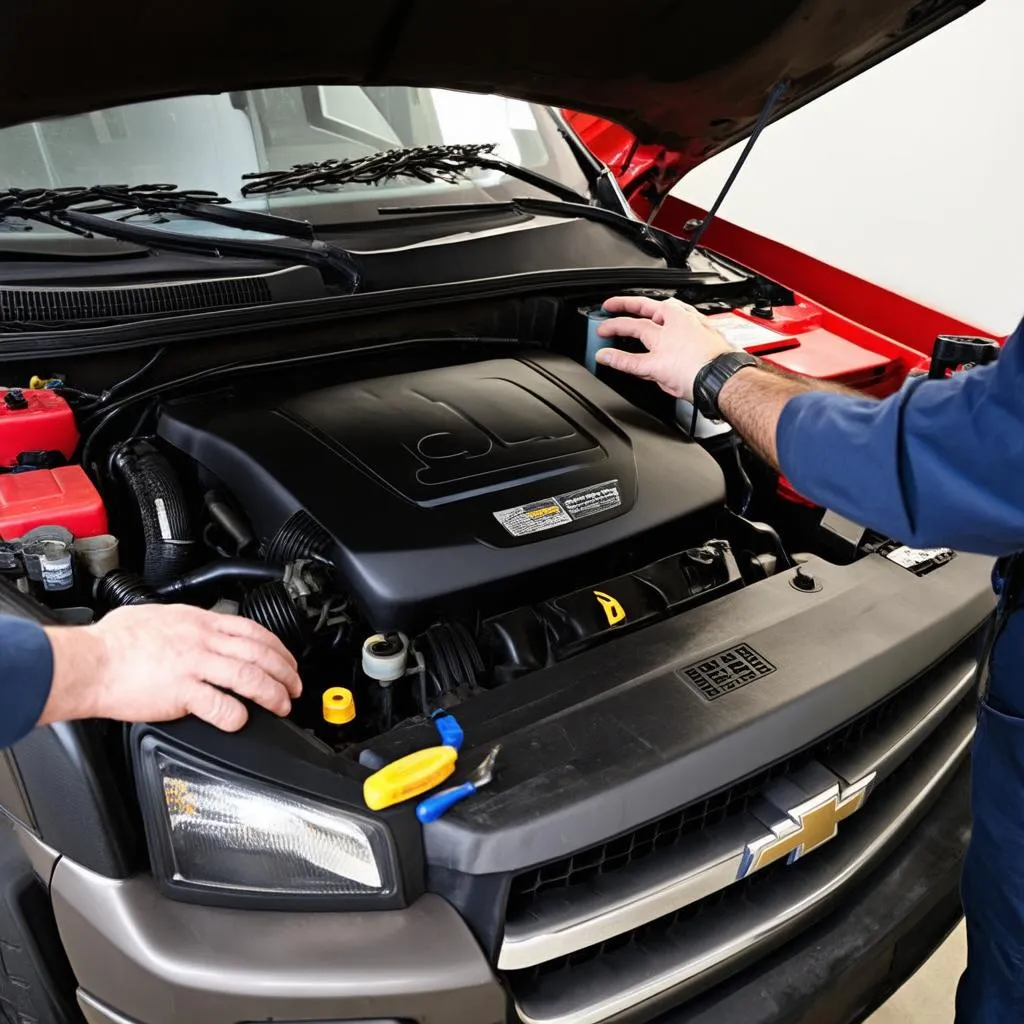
{"x": 711, "y": 378}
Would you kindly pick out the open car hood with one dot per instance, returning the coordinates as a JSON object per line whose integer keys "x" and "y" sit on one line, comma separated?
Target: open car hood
{"x": 691, "y": 75}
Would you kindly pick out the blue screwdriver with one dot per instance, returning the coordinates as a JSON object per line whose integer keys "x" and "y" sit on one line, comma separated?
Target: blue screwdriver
{"x": 434, "y": 806}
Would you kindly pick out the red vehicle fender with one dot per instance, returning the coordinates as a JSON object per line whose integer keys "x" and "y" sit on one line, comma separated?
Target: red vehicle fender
{"x": 644, "y": 172}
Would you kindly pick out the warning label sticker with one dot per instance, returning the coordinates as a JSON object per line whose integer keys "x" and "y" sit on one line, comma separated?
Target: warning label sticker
{"x": 743, "y": 334}
{"x": 561, "y": 509}
{"x": 532, "y": 518}
{"x": 589, "y": 500}
{"x": 913, "y": 558}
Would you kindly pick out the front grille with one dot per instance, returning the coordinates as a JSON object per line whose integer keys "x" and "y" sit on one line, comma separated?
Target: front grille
{"x": 615, "y": 925}
{"x": 617, "y": 854}
{"x": 672, "y": 829}
{"x": 739, "y": 893}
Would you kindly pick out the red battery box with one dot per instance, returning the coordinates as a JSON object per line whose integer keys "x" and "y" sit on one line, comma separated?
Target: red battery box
{"x": 50, "y": 497}
{"x": 35, "y": 421}
{"x": 795, "y": 340}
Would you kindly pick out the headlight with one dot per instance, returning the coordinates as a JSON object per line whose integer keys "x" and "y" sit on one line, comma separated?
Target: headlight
{"x": 220, "y": 831}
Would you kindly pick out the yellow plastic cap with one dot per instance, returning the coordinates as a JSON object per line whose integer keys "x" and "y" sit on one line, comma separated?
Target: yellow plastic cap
{"x": 409, "y": 776}
{"x": 339, "y": 705}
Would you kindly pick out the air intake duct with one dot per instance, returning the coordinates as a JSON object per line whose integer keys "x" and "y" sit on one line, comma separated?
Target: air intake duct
{"x": 300, "y": 537}
{"x": 272, "y": 607}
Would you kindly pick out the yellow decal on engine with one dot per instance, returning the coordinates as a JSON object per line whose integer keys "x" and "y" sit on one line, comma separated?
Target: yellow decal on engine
{"x": 613, "y": 610}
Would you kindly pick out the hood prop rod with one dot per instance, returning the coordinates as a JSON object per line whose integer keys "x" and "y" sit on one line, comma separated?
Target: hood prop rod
{"x": 762, "y": 121}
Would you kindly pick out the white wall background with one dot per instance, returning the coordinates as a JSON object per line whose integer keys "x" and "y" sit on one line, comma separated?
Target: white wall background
{"x": 911, "y": 175}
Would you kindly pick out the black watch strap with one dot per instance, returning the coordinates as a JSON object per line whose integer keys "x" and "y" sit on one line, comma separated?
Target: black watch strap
{"x": 711, "y": 379}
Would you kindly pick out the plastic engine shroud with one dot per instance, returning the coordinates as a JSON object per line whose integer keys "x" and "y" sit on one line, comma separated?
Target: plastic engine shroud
{"x": 475, "y": 487}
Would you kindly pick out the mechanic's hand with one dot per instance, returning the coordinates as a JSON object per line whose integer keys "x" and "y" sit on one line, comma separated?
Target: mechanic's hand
{"x": 154, "y": 663}
{"x": 678, "y": 339}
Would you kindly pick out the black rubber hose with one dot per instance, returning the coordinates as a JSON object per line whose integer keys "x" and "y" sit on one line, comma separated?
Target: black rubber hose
{"x": 472, "y": 659}
{"x": 271, "y": 606}
{"x": 168, "y": 533}
{"x": 119, "y": 588}
{"x": 301, "y": 536}
{"x": 437, "y": 662}
{"x": 454, "y": 658}
{"x": 232, "y": 570}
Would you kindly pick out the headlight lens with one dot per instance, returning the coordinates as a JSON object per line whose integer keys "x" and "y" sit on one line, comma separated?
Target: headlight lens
{"x": 229, "y": 832}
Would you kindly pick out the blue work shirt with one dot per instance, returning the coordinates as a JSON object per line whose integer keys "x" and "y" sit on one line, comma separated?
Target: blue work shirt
{"x": 938, "y": 464}
{"x": 26, "y": 670}
{"x": 941, "y": 464}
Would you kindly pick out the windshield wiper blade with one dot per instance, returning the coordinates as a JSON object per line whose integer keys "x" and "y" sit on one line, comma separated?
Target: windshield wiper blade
{"x": 425, "y": 163}
{"x": 140, "y": 200}
{"x": 86, "y": 211}
{"x": 653, "y": 239}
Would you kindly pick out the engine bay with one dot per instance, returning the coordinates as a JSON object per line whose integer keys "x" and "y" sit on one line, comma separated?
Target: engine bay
{"x": 414, "y": 534}
{"x": 451, "y": 489}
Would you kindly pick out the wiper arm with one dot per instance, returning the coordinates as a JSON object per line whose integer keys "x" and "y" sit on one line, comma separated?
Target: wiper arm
{"x": 424, "y": 163}
{"x": 210, "y": 207}
{"x": 85, "y": 211}
{"x": 653, "y": 239}
{"x": 43, "y": 204}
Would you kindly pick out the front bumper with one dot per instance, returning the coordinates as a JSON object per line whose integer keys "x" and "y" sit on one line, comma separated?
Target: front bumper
{"x": 142, "y": 958}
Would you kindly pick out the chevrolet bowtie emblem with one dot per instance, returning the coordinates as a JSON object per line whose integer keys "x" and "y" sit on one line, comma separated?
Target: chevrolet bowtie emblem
{"x": 805, "y": 827}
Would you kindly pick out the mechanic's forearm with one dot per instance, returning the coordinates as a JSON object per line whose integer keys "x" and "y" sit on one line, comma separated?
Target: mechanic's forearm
{"x": 79, "y": 661}
{"x": 752, "y": 400}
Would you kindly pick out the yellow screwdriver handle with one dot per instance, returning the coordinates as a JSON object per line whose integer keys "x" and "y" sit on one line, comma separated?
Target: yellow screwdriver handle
{"x": 409, "y": 776}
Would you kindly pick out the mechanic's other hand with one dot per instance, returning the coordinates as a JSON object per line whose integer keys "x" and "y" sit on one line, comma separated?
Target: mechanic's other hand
{"x": 154, "y": 663}
{"x": 678, "y": 339}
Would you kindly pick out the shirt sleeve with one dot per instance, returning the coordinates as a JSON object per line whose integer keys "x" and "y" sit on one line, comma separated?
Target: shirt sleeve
{"x": 25, "y": 676}
{"x": 940, "y": 463}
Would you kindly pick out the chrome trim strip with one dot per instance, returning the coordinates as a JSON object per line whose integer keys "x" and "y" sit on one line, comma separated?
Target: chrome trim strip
{"x": 637, "y": 976}
{"x": 711, "y": 862}
{"x": 892, "y": 745}
{"x": 708, "y": 862}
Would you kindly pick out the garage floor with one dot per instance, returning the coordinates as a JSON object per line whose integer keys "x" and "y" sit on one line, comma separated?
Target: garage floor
{"x": 928, "y": 997}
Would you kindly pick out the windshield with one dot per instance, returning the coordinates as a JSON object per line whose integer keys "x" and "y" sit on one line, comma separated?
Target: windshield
{"x": 210, "y": 142}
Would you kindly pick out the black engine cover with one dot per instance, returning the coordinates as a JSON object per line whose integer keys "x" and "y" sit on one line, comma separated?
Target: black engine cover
{"x": 468, "y": 488}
